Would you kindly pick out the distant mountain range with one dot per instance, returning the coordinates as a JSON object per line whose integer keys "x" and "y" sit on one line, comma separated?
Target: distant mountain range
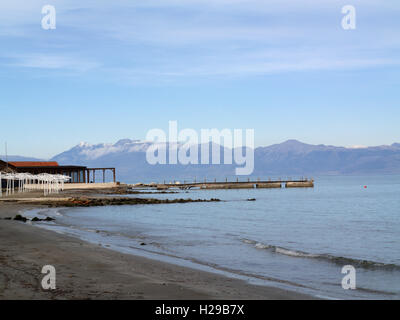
{"x": 19, "y": 158}
{"x": 290, "y": 158}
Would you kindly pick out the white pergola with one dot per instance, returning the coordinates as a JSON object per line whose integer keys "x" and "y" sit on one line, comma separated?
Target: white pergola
{"x": 23, "y": 182}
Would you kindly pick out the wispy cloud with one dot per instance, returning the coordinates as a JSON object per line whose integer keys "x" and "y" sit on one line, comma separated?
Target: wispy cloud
{"x": 156, "y": 39}
{"x": 45, "y": 61}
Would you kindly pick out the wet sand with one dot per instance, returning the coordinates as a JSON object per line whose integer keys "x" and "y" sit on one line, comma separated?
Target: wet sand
{"x": 87, "y": 271}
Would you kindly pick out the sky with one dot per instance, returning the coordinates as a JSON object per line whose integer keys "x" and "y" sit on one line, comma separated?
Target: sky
{"x": 117, "y": 69}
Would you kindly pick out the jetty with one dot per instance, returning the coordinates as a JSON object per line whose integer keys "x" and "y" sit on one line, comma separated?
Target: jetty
{"x": 248, "y": 184}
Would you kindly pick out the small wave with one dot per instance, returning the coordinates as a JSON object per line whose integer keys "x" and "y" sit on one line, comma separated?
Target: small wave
{"x": 389, "y": 293}
{"x": 294, "y": 253}
{"x": 249, "y": 241}
{"x": 366, "y": 264}
{"x": 262, "y": 246}
{"x": 89, "y": 230}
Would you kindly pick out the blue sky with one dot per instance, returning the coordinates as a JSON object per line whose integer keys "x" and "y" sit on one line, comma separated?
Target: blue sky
{"x": 116, "y": 69}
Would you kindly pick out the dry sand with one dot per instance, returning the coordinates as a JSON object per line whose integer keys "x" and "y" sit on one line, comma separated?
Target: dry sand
{"x": 87, "y": 271}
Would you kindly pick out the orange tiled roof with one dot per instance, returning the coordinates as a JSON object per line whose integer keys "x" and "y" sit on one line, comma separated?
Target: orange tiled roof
{"x": 34, "y": 163}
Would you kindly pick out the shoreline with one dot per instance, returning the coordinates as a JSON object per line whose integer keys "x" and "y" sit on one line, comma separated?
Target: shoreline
{"x": 88, "y": 271}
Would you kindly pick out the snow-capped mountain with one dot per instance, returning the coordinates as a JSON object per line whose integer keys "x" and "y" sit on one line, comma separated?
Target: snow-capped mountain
{"x": 288, "y": 158}
{"x": 84, "y": 152}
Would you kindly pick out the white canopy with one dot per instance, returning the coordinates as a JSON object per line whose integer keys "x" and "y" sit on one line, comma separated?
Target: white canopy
{"x": 49, "y": 183}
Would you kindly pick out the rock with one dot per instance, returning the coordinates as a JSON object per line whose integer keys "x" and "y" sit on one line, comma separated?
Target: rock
{"x": 251, "y": 199}
{"x": 142, "y": 244}
{"x": 36, "y": 219}
{"x": 92, "y": 202}
{"x": 18, "y": 217}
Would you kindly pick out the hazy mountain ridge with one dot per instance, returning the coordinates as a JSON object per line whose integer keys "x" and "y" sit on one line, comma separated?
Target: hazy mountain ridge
{"x": 19, "y": 158}
{"x": 288, "y": 158}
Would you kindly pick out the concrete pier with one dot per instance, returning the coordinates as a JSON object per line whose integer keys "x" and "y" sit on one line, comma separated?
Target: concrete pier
{"x": 259, "y": 184}
{"x": 232, "y": 185}
{"x": 303, "y": 184}
{"x": 268, "y": 185}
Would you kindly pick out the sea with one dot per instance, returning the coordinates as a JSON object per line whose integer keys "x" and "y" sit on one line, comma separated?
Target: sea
{"x": 299, "y": 239}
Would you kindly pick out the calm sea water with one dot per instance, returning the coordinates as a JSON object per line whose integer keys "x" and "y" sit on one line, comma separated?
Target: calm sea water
{"x": 298, "y": 239}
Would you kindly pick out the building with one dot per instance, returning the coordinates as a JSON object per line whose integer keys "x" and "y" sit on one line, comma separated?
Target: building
{"x": 78, "y": 174}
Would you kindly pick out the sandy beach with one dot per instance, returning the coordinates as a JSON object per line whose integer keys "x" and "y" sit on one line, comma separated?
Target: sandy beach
{"x": 87, "y": 271}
